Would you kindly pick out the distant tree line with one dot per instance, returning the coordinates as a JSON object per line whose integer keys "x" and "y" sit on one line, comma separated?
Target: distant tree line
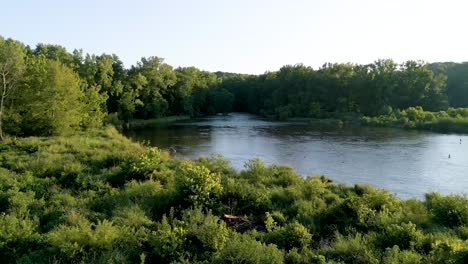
{"x": 47, "y": 90}
{"x": 300, "y": 91}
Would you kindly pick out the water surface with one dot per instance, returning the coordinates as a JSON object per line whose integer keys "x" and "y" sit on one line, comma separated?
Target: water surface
{"x": 408, "y": 163}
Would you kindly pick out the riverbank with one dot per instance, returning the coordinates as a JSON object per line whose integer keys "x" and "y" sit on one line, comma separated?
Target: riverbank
{"x": 148, "y": 123}
{"x": 98, "y": 197}
{"x": 454, "y": 120}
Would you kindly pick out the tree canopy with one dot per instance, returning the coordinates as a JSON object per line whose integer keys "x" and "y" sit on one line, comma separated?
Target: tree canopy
{"x": 94, "y": 86}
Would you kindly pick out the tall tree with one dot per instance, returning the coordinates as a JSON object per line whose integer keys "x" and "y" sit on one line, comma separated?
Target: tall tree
{"x": 57, "y": 52}
{"x": 12, "y": 55}
{"x": 160, "y": 76}
{"x": 52, "y": 101}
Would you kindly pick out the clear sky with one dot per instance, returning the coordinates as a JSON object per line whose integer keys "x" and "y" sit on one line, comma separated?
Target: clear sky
{"x": 246, "y": 36}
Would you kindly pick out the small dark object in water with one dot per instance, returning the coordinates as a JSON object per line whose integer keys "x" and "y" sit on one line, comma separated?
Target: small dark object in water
{"x": 449, "y": 156}
{"x": 172, "y": 150}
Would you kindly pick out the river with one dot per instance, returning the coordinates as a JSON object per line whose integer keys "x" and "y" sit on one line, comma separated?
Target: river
{"x": 407, "y": 163}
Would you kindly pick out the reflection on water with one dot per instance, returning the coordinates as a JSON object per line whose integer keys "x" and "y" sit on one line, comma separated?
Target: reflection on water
{"x": 408, "y": 163}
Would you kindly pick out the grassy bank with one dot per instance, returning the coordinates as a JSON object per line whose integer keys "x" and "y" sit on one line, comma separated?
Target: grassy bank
{"x": 454, "y": 120}
{"x": 97, "y": 197}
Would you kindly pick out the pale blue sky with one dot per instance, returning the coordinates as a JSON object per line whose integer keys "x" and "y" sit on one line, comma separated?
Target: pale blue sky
{"x": 246, "y": 36}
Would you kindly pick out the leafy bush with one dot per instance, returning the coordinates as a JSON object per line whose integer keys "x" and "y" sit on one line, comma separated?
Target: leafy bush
{"x": 351, "y": 249}
{"x": 243, "y": 249}
{"x": 198, "y": 185}
{"x": 85, "y": 239}
{"x": 452, "y": 120}
{"x": 168, "y": 240}
{"x": 450, "y": 211}
{"x": 205, "y": 232}
{"x": 405, "y": 236}
{"x": 395, "y": 256}
{"x": 292, "y": 235}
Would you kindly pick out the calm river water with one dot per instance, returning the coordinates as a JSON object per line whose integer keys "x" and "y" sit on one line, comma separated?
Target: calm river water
{"x": 408, "y": 163}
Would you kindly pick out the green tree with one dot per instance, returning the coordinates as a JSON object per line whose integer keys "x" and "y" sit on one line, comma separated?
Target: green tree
{"x": 12, "y": 55}
{"x": 94, "y": 107}
{"x": 51, "y": 98}
{"x": 159, "y": 77}
{"x": 220, "y": 100}
{"x": 56, "y": 52}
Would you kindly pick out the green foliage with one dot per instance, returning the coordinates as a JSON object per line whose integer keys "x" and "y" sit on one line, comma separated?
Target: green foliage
{"x": 51, "y": 98}
{"x": 416, "y": 212}
{"x": 243, "y": 249}
{"x": 94, "y": 107}
{"x": 304, "y": 255}
{"x": 153, "y": 89}
{"x": 15, "y": 229}
{"x": 450, "y": 211}
{"x": 457, "y": 82}
{"x": 96, "y": 197}
{"x": 448, "y": 249}
{"x": 12, "y": 57}
{"x": 452, "y": 120}
{"x": 351, "y": 249}
{"x": 206, "y": 232}
{"x": 149, "y": 165}
{"x": 198, "y": 185}
{"x": 168, "y": 240}
{"x": 73, "y": 241}
{"x": 405, "y": 236}
{"x": 395, "y": 256}
{"x": 292, "y": 235}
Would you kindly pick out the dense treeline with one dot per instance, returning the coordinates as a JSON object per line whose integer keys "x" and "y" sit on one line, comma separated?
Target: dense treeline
{"x": 96, "y": 197}
{"x": 335, "y": 90}
{"x": 300, "y": 91}
{"x": 457, "y": 81}
{"x": 47, "y": 90}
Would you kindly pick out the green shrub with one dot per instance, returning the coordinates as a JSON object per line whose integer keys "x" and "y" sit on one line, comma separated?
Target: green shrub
{"x": 84, "y": 239}
{"x": 149, "y": 165}
{"x": 395, "y": 256}
{"x": 132, "y": 216}
{"x": 449, "y": 250}
{"x": 416, "y": 212}
{"x": 168, "y": 241}
{"x": 198, "y": 185}
{"x": 241, "y": 197}
{"x": 405, "y": 236}
{"x": 217, "y": 164}
{"x": 292, "y": 235}
{"x": 14, "y": 229}
{"x": 18, "y": 236}
{"x": 205, "y": 232}
{"x": 450, "y": 211}
{"x": 304, "y": 256}
{"x": 243, "y": 249}
{"x": 351, "y": 249}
